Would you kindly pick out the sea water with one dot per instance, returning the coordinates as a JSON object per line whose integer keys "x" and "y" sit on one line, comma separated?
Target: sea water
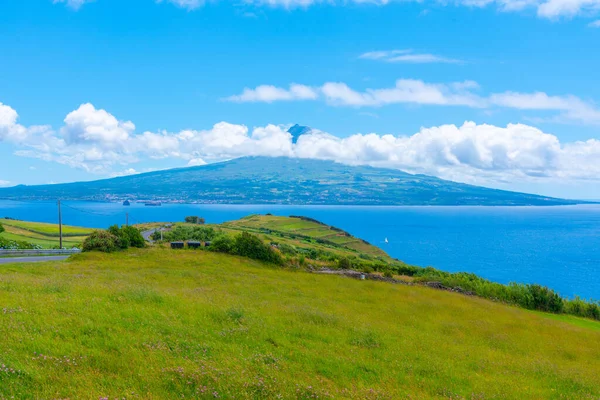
{"x": 554, "y": 246}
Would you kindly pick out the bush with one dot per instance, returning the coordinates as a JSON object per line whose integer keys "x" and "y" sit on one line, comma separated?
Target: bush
{"x": 344, "y": 263}
{"x": 118, "y": 232}
{"x": 222, "y": 244}
{"x": 135, "y": 237}
{"x": 288, "y": 249}
{"x": 183, "y": 233}
{"x": 544, "y": 299}
{"x": 1, "y": 228}
{"x": 6, "y": 244}
{"x": 388, "y": 274}
{"x": 195, "y": 220}
{"x": 102, "y": 241}
{"x": 248, "y": 245}
{"x": 368, "y": 269}
{"x": 128, "y": 236}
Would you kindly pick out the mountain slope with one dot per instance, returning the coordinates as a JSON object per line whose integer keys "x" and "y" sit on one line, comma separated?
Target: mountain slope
{"x": 262, "y": 180}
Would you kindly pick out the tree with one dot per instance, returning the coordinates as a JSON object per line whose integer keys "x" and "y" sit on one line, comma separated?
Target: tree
{"x": 1, "y": 228}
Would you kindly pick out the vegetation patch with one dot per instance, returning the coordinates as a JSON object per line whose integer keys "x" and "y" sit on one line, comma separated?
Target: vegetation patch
{"x": 137, "y": 327}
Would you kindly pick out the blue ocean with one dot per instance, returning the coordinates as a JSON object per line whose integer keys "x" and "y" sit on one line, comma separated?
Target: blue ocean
{"x": 554, "y": 246}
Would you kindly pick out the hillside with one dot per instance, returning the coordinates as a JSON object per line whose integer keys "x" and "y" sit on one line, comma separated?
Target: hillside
{"x": 41, "y": 234}
{"x": 305, "y": 232}
{"x": 264, "y": 180}
{"x": 162, "y": 324}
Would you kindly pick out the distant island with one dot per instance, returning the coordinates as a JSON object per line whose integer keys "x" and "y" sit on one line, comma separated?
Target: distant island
{"x": 281, "y": 180}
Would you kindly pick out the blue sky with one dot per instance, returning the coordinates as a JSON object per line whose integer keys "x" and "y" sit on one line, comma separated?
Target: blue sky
{"x": 96, "y": 89}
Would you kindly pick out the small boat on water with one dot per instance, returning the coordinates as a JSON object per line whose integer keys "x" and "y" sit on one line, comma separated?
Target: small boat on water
{"x": 153, "y": 204}
{"x": 126, "y": 203}
{"x": 386, "y": 240}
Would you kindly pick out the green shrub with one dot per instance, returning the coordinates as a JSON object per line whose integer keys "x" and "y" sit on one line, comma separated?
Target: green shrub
{"x": 1, "y": 228}
{"x": 367, "y": 269}
{"x": 388, "y": 273}
{"x": 344, "y": 263}
{"x": 183, "y": 233}
{"x": 248, "y": 245}
{"x": 302, "y": 261}
{"x": 287, "y": 249}
{"x": 128, "y": 236}
{"x": 195, "y": 220}
{"x": 582, "y": 308}
{"x": 17, "y": 245}
{"x": 222, "y": 244}
{"x": 544, "y": 299}
{"x": 102, "y": 241}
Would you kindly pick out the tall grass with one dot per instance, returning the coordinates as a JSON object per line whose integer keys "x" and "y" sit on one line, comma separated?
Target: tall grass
{"x": 163, "y": 324}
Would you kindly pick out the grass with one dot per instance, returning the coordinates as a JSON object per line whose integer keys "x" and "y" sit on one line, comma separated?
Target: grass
{"x": 304, "y": 228}
{"x": 46, "y": 229}
{"x": 162, "y": 324}
{"x": 45, "y": 235}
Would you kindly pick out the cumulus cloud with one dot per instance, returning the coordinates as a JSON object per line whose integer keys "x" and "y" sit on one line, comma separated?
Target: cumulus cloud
{"x": 4, "y": 183}
{"x": 595, "y": 24}
{"x": 412, "y": 91}
{"x": 474, "y": 153}
{"x": 87, "y": 124}
{"x": 407, "y": 56}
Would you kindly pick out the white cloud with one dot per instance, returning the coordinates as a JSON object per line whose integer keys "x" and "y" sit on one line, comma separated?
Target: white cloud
{"x": 4, "y": 183}
{"x": 549, "y": 9}
{"x": 407, "y": 56}
{"x": 194, "y": 162}
{"x": 86, "y": 124}
{"x": 405, "y": 91}
{"x": 74, "y": 4}
{"x": 339, "y": 93}
{"x": 572, "y": 107}
{"x": 269, "y": 94}
{"x": 474, "y": 153}
{"x": 566, "y": 8}
{"x": 595, "y": 24}
{"x": 186, "y": 4}
{"x": 12, "y": 131}
{"x": 126, "y": 172}
{"x": 412, "y": 91}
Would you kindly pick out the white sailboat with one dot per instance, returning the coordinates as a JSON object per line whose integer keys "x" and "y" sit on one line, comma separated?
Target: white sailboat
{"x": 386, "y": 240}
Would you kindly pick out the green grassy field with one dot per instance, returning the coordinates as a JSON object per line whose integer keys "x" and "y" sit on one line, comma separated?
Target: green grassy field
{"x": 303, "y": 228}
{"x": 162, "y": 324}
{"x": 45, "y": 235}
{"x": 46, "y": 229}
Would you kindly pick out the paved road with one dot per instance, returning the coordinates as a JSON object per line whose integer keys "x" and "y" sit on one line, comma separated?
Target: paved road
{"x": 10, "y": 260}
{"x": 147, "y": 234}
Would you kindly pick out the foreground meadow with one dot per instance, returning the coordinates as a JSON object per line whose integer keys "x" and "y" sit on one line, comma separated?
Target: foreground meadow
{"x": 160, "y": 324}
